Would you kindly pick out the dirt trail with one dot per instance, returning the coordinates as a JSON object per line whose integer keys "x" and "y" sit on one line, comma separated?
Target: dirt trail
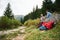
{"x": 20, "y": 36}
{"x": 12, "y": 31}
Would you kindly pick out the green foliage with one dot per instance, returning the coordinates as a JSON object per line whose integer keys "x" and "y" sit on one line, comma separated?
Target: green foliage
{"x": 3, "y": 22}
{"x": 32, "y": 22}
{"x": 30, "y": 28}
{"x": 6, "y": 23}
{"x": 33, "y": 15}
{"x": 47, "y": 4}
{"x": 8, "y": 12}
{"x": 57, "y": 5}
{"x": 28, "y": 23}
{"x": 22, "y": 20}
{"x": 36, "y": 34}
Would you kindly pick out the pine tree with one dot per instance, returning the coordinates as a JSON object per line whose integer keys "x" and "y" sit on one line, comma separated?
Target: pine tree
{"x": 47, "y": 4}
{"x": 21, "y": 20}
{"x": 8, "y": 12}
{"x": 57, "y": 5}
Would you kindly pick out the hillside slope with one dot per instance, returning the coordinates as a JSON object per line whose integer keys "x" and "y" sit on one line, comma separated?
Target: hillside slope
{"x": 35, "y": 34}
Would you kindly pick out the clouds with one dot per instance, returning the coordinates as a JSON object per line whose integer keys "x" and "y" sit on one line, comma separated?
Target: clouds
{"x": 20, "y": 7}
{"x": 23, "y": 7}
{"x": 53, "y": 1}
{"x": 3, "y": 4}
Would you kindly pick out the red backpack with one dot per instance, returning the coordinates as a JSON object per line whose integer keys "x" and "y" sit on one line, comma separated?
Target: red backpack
{"x": 48, "y": 25}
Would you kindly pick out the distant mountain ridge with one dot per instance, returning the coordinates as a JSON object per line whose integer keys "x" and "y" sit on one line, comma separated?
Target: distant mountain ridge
{"x": 19, "y": 17}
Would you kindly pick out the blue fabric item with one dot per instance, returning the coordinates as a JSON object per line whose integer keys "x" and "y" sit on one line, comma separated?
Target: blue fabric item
{"x": 42, "y": 28}
{"x": 49, "y": 15}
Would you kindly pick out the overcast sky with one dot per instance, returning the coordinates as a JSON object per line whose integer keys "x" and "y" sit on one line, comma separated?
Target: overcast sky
{"x": 20, "y": 7}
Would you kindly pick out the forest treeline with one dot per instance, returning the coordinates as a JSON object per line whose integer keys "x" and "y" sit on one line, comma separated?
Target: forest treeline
{"x": 47, "y": 4}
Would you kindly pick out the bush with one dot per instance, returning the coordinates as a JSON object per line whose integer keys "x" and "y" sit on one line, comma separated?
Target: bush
{"x": 37, "y": 21}
{"x": 16, "y": 22}
{"x": 32, "y": 22}
{"x": 5, "y": 23}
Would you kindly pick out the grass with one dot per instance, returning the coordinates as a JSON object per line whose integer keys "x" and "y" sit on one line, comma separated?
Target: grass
{"x": 35, "y": 34}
